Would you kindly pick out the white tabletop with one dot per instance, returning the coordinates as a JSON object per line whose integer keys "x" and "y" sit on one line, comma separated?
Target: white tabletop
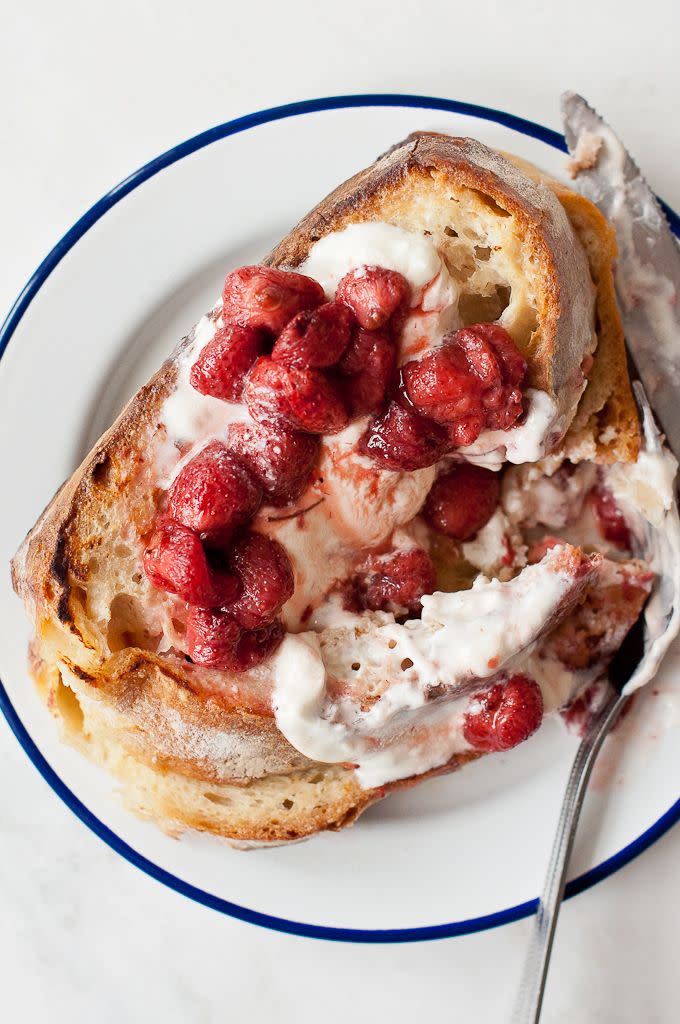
{"x": 92, "y": 91}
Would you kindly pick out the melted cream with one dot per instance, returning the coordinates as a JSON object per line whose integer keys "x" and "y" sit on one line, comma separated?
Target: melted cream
{"x": 528, "y": 442}
{"x": 192, "y": 420}
{"x": 429, "y": 665}
{"x": 372, "y": 244}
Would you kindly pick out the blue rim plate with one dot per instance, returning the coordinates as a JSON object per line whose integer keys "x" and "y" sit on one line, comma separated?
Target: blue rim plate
{"x": 36, "y": 281}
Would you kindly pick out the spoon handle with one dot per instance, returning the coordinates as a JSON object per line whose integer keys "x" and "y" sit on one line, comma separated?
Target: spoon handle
{"x": 530, "y": 998}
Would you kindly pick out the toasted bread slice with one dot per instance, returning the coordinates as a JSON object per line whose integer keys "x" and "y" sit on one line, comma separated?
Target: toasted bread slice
{"x": 475, "y": 202}
{"x": 188, "y": 750}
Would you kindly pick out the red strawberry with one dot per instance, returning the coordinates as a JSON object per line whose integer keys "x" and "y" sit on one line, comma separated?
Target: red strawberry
{"x": 504, "y": 715}
{"x": 396, "y": 581}
{"x": 264, "y": 570}
{"x": 403, "y": 440}
{"x": 256, "y": 645}
{"x": 610, "y": 519}
{"x": 496, "y": 360}
{"x": 304, "y": 398}
{"x": 373, "y": 294}
{"x": 442, "y": 387}
{"x": 315, "y": 337}
{"x": 176, "y": 562}
{"x": 216, "y": 640}
{"x": 470, "y": 383}
{"x": 462, "y": 500}
{"x": 280, "y": 459}
{"x": 495, "y": 342}
{"x": 214, "y": 493}
{"x": 366, "y": 369}
{"x": 267, "y": 298}
{"x": 222, "y": 365}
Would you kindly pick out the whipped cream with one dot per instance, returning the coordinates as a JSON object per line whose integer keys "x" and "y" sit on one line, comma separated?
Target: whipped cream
{"x": 419, "y": 671}
{"x": 497, "y": 549}
{"x": 528, "y": 442}
{"x": 372, "y": 244}
{"x": 193, "y": 420}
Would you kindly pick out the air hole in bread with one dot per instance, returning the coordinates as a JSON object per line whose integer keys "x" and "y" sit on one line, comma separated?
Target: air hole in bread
{"x": 525, "y": 325}
{"x": 65, "y": 704}
{"x": 483, "y": 252}
{"x": 451, "y": 232}
{"x": 474, "y": 308}
{"x": 460, "y": 263}
{"x": 101, "y": 472}
{"x": 126, "y": 627}
{"x": 219, "y": 799}
{"x": 490, "y": 203}
{"x": 406, "y": 664}
{"x": 316, "y": 779}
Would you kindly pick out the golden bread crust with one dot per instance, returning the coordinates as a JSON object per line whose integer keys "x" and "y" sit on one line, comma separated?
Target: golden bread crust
{"x": 606, "y": 427}
{"x": 445, "y": 169}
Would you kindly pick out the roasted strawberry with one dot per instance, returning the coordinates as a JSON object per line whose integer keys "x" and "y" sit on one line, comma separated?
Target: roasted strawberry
{"x": 222, "y": 365}
{"x": 214, "y": 493}
{"x": 256, "y": 645}
{"x": 402, "y": 440}
{"x": 373, "y": 294}
{"x": 396, "y": 581}
{"x": 304, "y": 398}
{"x": 267, "y": 298}
{"x": 315, "y": 337}
{"x": 216, "y": 640}
{"x": 280, "y": 459}
{"x": 500, "y": 366}
{"x": 176, "y": 562}
{"x": 471, "y": 383}
{"x": 504, "y": 715}
{"x": 366, "y": 369}
{"x": 610, "y": 519}
{"x": 212, "y": 637}
{"x": 442, "y": 387}
{"x": 539, "y": 548}
{"x": 462, "y": 500}
{"x": 264, "y": 570}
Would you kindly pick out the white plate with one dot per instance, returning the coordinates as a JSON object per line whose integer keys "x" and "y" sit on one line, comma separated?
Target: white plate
{"x": 459, "y": 854}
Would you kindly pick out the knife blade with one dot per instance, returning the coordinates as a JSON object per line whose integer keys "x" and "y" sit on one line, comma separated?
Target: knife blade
{"x": 647, "y": 271}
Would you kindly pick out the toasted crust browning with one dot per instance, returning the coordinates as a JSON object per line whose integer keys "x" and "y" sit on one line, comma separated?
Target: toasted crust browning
{"x": 606, "y": 427}
{"x": 417, "y": 186}
{"x": 187, "y": 754}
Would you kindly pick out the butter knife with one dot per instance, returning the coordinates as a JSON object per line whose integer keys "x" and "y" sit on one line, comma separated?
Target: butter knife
{"x": 647, "y": 281}
{"x": 648, "y": 266}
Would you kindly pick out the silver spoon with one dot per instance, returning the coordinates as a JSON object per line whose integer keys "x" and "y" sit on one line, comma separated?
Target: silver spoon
{"x": 635, "y": 661}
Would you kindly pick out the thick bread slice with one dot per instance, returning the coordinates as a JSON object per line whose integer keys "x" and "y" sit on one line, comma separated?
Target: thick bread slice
{"x": 187, "y": 752}
{"x": 435, "y": 183}
{"x": 275, "y": 808}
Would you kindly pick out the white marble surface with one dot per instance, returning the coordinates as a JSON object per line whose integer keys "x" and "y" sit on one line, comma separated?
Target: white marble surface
{"x": 91, "y": 91}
